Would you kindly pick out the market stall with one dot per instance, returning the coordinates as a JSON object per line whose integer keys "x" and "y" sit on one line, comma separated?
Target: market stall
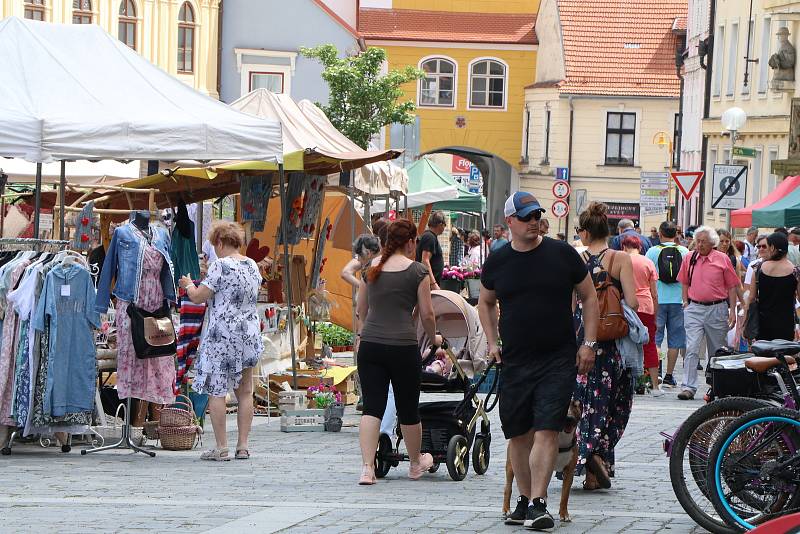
{"x": 112, "y": 104}
{"x": 743, "y": 218}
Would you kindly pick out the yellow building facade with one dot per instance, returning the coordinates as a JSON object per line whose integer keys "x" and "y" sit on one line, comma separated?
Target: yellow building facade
{"x": 477, "y": 57}
{"x": 181, "y": 37}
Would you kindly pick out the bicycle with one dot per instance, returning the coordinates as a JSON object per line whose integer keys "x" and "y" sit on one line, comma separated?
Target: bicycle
{"x": 689, "y": 448}
{"x": 754, "y": 466}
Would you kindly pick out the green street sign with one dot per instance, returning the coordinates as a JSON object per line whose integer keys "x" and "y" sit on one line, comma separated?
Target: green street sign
{"x": 744, "y": 152}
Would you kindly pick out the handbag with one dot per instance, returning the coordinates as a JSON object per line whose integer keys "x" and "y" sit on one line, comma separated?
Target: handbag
{"x": 612, "y": 324}
{"x": 153, "y": 332}
{"x": 751, "y": 326}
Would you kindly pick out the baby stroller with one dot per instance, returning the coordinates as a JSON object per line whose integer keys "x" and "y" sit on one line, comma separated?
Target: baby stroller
{"x": 449, "y": 427}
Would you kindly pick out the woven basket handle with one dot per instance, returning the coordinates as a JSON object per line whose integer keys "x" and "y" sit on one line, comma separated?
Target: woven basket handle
{"x": 188, "y": 404}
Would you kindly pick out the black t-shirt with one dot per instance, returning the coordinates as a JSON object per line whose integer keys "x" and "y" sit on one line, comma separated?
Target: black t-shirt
{"x": 428, "y": 241}
{"x": 535, "y": 290}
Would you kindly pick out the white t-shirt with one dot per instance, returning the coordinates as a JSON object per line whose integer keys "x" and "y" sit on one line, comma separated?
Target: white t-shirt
{"x": 208, "y": 250}
{"x": 748, "y": 276}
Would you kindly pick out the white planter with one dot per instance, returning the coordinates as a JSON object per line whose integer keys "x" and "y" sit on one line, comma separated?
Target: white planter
{"x": 473, "y": 287}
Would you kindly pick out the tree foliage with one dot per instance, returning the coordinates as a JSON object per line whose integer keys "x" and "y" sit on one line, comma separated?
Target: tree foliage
{"x": 362, "y": 99}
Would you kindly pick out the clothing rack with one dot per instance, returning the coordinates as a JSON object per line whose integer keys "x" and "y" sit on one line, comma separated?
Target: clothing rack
{"x": 23, "y": 243}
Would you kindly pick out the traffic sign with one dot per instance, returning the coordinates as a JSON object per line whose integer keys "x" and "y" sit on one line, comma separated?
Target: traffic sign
{"x": 730, "y": 184}
{"x": 562, "y": 173}
{"x": 687, "y": 182}
{"x": 561, "y": 189}
{"x": 560, "y": 208}
{"x": 743, "y": 152}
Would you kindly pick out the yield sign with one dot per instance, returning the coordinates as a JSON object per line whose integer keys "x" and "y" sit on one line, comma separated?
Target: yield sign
{"x": 687, "y": 182}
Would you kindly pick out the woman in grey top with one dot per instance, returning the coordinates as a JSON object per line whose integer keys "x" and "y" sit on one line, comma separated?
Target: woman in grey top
{"x": 388, "y": 351}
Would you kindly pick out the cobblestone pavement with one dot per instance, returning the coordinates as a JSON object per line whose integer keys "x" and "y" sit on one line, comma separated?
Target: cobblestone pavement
{"x": 306, "y": 482}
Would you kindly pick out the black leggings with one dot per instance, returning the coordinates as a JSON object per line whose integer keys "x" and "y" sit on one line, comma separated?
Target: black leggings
{"x": 379, "y": 364}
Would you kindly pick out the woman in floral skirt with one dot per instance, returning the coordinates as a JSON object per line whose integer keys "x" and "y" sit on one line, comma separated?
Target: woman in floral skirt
{"x": 607, "y": 391}
{"x": 231, "y": 345}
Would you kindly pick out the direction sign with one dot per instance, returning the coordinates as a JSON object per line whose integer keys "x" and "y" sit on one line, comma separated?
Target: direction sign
{"x": 653, "y": 192}
{"x": 562, "y": 173}
{"x": 730, "y": 184}
{"x": 687, "y": 182}
{"x": 743, "y": 152}
{"x": 561, "y": 189}
{"x": 560, "y": 208}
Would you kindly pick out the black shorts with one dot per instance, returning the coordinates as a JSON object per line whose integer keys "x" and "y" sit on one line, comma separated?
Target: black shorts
{"x": 535, "y": 394}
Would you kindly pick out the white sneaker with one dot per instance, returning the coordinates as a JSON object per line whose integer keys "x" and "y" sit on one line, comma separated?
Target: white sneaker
{"x": 657, "y": 392}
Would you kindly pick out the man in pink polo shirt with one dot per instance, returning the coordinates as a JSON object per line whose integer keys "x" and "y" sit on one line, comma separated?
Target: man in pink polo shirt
{"x": 709, "y": 302}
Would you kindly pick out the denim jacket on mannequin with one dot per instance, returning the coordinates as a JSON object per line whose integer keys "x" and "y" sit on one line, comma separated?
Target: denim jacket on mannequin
{"x": 124, "y": 262}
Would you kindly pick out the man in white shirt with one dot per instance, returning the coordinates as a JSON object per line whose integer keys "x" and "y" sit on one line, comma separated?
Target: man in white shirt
{"x": 750, "y": 250}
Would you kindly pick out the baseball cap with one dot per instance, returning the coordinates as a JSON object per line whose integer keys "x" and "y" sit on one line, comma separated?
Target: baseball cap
{"x": 521, "y": 203}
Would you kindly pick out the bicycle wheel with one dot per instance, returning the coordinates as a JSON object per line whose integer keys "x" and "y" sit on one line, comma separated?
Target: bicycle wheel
{"x": 689, "y": 458}
{"x": 754, "y": 468}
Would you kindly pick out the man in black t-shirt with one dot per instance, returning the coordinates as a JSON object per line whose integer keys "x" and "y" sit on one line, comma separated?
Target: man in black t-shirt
{"x": 429, "y": 251}
{"x": 533, "y": 279}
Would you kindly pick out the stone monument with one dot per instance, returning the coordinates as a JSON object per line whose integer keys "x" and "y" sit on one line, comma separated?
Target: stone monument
{"x": 782, "y": 63}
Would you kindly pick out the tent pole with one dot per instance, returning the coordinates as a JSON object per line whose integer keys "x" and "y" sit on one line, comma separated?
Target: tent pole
{"x": 37, "y": 200}
{"x": 405, "y": 208}
{"x": 287, "y": 273}
{"x": 62, "y": 184}
{"x": 353, "y": 215}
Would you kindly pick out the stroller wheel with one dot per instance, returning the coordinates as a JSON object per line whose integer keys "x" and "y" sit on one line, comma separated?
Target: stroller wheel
{"x": 382, "y": 462}
{"x": 458, "y": 457}
{"x": 434, "y": 467}
{"x": 480, "y": 454}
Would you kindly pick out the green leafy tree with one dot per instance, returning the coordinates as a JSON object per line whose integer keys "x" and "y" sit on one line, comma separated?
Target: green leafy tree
{"x": 362, "y": 100}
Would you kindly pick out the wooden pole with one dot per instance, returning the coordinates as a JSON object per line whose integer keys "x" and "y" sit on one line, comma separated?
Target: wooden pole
{"x": 62, "y": 193}
{"x": 287, "y": 274}
{"x": 37, "y": 200}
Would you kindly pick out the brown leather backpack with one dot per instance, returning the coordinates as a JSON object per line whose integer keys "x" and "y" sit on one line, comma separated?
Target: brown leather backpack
{"x": 613, "y": 324}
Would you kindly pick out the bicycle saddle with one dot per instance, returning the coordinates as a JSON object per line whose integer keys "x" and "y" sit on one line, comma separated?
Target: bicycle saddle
{"x": 760, "y": 364}
{"x": 775, "y": 348}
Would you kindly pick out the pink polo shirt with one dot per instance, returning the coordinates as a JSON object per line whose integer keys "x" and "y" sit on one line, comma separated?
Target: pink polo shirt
{"x": 712, "y": 276}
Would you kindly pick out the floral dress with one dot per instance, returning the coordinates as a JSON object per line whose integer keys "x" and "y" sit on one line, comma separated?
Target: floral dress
{"x": 150, "y": 379}
{"x": 606, "y": 394}
{"x": 232, "y": 342}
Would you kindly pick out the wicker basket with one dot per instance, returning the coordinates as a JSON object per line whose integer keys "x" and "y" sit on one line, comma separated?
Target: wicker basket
{"x": 180, "y": 414}
{"x": 179, "y": 438}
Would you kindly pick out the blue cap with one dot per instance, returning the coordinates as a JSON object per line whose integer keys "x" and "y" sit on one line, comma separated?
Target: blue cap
{"x": 521, "y": 203}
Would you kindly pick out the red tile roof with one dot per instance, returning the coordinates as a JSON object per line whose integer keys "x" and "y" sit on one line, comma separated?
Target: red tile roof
{"x": 620, "y": 47}
{"x": 416, "y": 25}
{"x": 679, "y": 25}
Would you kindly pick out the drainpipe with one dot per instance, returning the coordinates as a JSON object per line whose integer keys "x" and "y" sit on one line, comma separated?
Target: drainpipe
{"x": 569, "y": 158}
{"x": 219, "y": 51}
{"x": 679, "y": 59}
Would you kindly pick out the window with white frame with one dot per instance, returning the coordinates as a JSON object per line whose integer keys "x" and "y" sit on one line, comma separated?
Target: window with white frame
{"x": 487, "y": 84}
{"x": 733, "y": 45}
{"x": 763, "y": 60}
{"x": 719, "y": 43}
{"x": 437, "y": 88}
{"x": 620, "y": 138}
{"x": 271, "y": 81}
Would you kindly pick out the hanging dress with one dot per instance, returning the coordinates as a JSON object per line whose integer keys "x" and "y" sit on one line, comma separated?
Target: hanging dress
{"x": 606, "y": 393}
{"x": 150, "y": 379}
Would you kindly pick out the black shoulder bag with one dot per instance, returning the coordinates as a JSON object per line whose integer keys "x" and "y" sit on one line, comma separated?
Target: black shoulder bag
{"x": 153, "y": 332}
{"x": 751, "y": 326}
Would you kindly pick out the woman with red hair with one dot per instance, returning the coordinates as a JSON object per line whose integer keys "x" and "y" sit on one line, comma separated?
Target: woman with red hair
{"x": 388, "y": 351}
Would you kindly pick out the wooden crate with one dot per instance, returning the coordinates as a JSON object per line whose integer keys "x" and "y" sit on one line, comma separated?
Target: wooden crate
{"x": 305, "y": 378}
{"x": 303, "y": 421}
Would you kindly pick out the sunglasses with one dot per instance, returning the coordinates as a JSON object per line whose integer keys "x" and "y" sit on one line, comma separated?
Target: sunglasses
{"x": 578, "y": 229}
{"x": 761, "y": 246}
{"x": 535, "y": 215}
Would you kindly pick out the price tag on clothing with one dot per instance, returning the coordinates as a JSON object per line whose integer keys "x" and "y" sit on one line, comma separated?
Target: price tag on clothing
{"x": 65, "y": 290}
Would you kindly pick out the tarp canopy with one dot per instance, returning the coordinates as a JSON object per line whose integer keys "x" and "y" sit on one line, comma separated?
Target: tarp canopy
{"x": 338, "y": 250}
{"x": 743, "y": 218}
{"x": 72, "y": 91}
{"x": 80, "y": 171}
{"x": 784, "y": 212}
{"x": 427, "y": 182}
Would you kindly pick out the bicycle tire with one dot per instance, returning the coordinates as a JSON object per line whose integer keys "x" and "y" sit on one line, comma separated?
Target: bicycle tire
{"x": 723, "y": 445}
{"x": 700, "y": 512}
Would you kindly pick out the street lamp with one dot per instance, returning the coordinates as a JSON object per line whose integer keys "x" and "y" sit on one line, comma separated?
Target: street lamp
{"x": 733, "y": 120}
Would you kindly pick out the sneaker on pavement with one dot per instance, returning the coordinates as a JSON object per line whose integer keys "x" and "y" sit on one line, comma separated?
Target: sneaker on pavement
{"x": 656, "y": 392}
{"x": 669, "y": 381}
{"x": 686, "y": 394}
{"x": 517, "y": 517}
{"x": 537, "y": 516}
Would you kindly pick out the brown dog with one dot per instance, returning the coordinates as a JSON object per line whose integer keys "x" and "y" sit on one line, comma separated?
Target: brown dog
{"x": 566, "y": 462}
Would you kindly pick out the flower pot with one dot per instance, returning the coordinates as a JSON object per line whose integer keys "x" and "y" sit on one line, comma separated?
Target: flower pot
{"x": 474, "y": 287}
{"x": 333, "y": 417}
{"x": 275, "y": 291}
{"x": 451, "y": 285}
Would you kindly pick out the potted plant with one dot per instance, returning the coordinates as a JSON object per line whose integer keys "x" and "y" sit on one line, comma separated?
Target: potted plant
{"x": 452, "y": 279}
{"x": 328, "y": 399}
{"x": 472, "y": 275}
{"x": 337, "y": 338}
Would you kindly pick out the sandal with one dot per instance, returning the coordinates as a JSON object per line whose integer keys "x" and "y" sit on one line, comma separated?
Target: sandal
{"x": 367, "y": 476}
{"x": 597, "y": 467}
{"x": 426, "y": 462}
{"x": 242, "y": 454}
{"x": 216, "y": 455}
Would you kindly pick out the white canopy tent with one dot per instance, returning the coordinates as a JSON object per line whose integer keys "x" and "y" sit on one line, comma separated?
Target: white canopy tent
{"x": 72, "y": 91}
{"x": 80, "y": 171}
